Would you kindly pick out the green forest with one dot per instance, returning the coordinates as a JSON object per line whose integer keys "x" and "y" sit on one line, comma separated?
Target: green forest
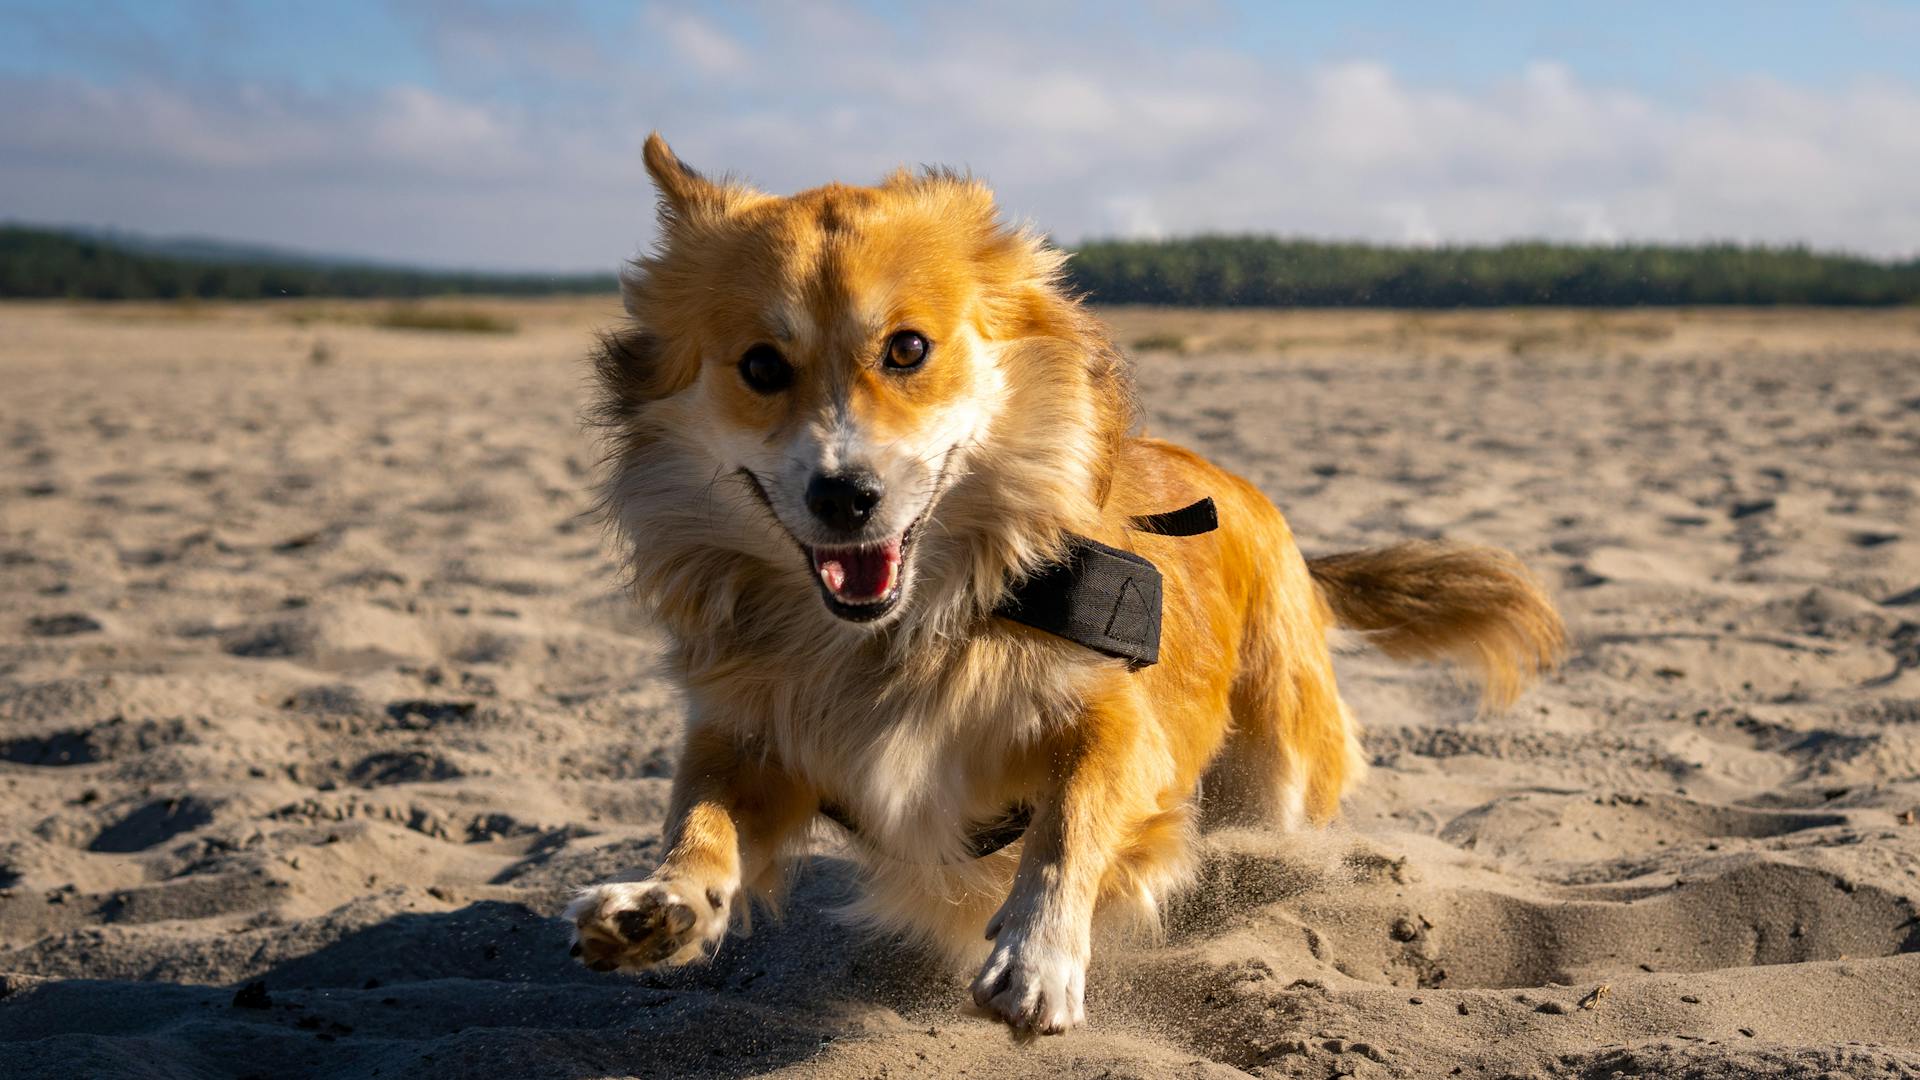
{"x": 1204, "y": 271}
{"x": 1257, "y": 271}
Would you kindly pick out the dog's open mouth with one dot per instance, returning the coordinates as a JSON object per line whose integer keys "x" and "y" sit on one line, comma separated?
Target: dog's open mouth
{"x": 861, "y": 581}
{"x": 859, "y": 575}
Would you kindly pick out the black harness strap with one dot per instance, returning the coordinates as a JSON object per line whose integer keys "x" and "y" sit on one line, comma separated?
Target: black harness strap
{"x": 983, "y": 838}
{"x": 1097, "y": 596}
{"x": 1102, "y": 597}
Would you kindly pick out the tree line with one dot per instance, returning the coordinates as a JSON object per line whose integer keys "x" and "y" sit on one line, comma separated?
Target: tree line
{"x": 47, "y": 263}
{"x": 1201, "y": 271}
{"x": 1263, "y": 271}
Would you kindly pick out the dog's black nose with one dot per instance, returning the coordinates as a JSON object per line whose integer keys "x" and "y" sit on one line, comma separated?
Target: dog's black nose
{"x": 844, "y": 501}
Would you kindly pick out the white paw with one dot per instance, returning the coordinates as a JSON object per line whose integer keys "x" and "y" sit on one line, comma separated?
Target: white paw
{"x": 644, "y": 924}
{"x": 1035, "y": 986}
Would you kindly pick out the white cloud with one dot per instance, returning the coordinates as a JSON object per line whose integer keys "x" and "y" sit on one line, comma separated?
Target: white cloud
{"x": 701, "y": 44}
{"x": 1086, "y": 133}
{"x": 423, "y": 129}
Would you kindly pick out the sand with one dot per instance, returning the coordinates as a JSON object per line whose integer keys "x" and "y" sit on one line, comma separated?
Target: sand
{"x": 317, "y": 696}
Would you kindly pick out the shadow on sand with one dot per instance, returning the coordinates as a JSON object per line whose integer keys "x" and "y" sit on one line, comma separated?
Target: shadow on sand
{"x": 487, "y": 989}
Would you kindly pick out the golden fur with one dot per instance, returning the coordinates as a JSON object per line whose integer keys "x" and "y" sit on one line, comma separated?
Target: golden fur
{"x": 1013, "y": 434}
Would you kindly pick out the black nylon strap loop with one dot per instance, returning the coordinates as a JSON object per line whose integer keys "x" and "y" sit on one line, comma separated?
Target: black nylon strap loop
{"x": 1190, "y": 520}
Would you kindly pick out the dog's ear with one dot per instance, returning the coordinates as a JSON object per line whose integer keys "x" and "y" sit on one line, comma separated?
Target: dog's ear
{"x": 684, "y": 193}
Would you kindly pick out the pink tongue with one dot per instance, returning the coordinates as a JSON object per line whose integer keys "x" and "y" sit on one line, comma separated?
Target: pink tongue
{"x": 862, "y": 573}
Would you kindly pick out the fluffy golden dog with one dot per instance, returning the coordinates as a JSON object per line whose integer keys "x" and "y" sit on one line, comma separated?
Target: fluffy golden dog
{"x": 843, "y": 424}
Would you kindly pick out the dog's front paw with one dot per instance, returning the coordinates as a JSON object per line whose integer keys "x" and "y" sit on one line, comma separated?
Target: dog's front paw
{"x": 644, "y": 924}
{"x": 1035, "y": 986}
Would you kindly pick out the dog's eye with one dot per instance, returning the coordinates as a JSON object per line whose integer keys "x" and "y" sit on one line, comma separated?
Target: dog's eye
{"x": 907, "y": 350}
{"x": 765, "y": 370}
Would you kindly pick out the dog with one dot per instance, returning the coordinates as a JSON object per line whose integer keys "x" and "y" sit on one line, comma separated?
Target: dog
{"x": 844, "y": 429}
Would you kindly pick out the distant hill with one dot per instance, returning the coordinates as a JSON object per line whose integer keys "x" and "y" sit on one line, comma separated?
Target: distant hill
{"x": 1202, "y": 271}
{"x": 52, "y": 263}
{"x": 207, "y": 249}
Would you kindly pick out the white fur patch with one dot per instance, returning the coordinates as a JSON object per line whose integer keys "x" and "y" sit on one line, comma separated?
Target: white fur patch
{"x": 1036, "y": 978}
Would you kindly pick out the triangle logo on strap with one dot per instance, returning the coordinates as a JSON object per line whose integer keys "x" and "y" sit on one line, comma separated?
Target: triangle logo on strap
{"x": 1131, "y": 620}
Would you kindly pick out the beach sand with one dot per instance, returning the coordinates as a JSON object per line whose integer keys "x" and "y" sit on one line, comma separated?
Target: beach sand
{"x": 318, "y": 696}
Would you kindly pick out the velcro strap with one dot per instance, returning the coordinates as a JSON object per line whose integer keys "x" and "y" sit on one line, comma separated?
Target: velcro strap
{"x": 1190, "y": 520}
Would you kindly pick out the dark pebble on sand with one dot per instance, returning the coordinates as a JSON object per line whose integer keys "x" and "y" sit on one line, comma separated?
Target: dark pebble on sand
{"x": 253, "y": 996}
{"x": 62, "y": 625}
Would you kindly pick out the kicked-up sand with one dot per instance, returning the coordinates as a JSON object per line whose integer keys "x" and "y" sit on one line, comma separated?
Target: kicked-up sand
{"x": 318, "y": 696}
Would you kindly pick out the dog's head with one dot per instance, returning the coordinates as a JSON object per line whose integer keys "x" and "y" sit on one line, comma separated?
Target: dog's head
{"x": 880, "y": 371}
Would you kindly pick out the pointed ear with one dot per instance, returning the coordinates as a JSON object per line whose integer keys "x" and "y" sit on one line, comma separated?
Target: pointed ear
{"x": 684, "y": 193}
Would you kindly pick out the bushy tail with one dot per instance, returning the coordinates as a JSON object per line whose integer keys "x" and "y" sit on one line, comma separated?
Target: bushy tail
{"x": 1427, "y": 600}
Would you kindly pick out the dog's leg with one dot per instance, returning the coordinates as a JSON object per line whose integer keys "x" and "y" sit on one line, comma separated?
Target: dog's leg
{"x": 1107, "y": 785}
{"x": 726, "y": 824}
{"x": 1293, "y": 748}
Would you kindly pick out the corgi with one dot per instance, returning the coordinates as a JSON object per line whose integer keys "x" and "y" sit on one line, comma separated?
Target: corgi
{"x": 844, "y": 429}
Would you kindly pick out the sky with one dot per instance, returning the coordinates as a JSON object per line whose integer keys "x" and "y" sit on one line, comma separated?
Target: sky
{"x": 506, "y": 135}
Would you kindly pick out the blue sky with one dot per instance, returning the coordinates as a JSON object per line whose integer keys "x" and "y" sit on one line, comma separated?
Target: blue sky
{"x": 505, "y": 134}
{"x": 1667, "y": 49}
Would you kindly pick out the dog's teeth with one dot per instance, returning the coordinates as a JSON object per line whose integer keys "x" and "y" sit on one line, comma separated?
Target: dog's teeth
{"x": 834, "y": 575}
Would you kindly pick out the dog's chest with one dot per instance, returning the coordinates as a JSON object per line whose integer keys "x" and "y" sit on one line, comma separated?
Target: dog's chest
{"x": 918, "y": 779}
